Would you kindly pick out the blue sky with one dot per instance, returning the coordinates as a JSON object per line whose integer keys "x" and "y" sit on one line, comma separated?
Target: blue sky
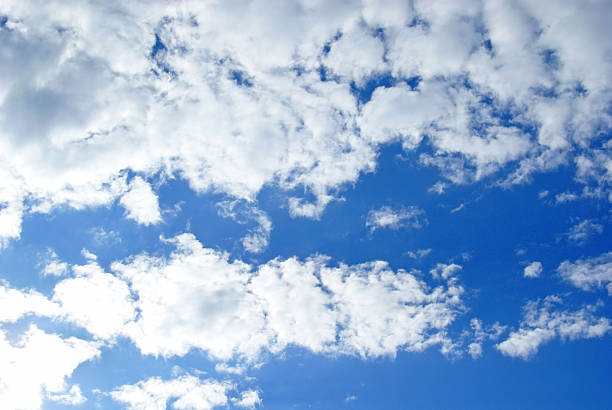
{"x": 340, "y": 205}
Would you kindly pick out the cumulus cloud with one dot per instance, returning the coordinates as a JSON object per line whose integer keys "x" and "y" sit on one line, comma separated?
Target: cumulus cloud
{"x": 512, "y": 86}
{"x": 249, "y": 399}
{"x": 590, "y": 273}
{"x": 37, "y": 366}
{"x": 187, "y": 392}
{"x": 479, "y": 334}
{"x": 140, "y": 203}
{"x": 231, "y": 310}
{"x": 533, "y": 270}
{"x": 387, "y": 217}
{"x": 95, "y": 300}
{"x": 543, "y": 322}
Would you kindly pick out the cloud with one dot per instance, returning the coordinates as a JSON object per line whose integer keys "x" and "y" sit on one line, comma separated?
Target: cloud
{"x": 445, "y": 271}
{"x": 53, "y": 266}
{"x": 533, "y": 270}
{"x": 249, "y": 399}
{"x": 187, "y": 392}
{"x": 418, "y": 253}
{"x": 37, "y": 367}
{"x": 231, "y": 310}
{"x": 387, "y": 217}
{"x": 590, "y": 273}
{"x": 582, "y": 231}
{"x": 15, "y": 304}
{"x": 72, "y": 397}
{"x": 496, "y": 87}
{"x": 479, "y": 334}
{"x": 543, "y": 322}
{"x": 141, "y": 203}
{"x": 95, "y": 300}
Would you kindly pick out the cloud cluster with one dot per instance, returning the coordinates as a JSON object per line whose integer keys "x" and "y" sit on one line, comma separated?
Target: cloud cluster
{"x": 589, "y": 274}
{"x": 533, "y": 270}
{"x": 543, "y": 322}
{"x": 186, "y": 392}
{"x": 387, "y": 217}
{"x": 286, "y": 100}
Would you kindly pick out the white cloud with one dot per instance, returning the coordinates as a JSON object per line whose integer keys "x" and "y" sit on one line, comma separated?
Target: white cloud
{"x": 75, "y": 120}
{"x": 543, "y": 322}
{"x": 445, "y": 271}
{"x": 533, "y": 270}
{"x": 188, "y": 392}
{"x": 589, "y": 273}
{"x": 71, "y": 397}
{"x": 141, "y": 203}
{"x": 196, "y": 298}
{"x": 387, "y": 217}
{"x": 38, "y": 365}
{"x": 95, "y": 300}
{"x": 582, "y": 231}
{"x": 418, "y": 253}
{"x": 249, "y": 399}
{"x": 479, "y": 334}
{"x": 53, "y": 266}
{"x": 14, "y": 304}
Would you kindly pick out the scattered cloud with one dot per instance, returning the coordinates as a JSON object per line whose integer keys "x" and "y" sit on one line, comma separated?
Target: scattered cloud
{"x": 37, "y": 366}
{"x": 187, "y": 392}
{"x": 533, "y": 270}
{"x": 590, "y": 273}
{"x": 418, "y": 253}
{"x": 543, "y": 322}
{"x": 582, "y": 231}
{"x": 249, "y": 399}
{"x": 140, "y": 203}
{"x": 387, "y": 217}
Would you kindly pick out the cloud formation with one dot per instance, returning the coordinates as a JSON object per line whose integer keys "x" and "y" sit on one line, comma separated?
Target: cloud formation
{"x": 543, "y": 322}
{"x": 524, "y": 90}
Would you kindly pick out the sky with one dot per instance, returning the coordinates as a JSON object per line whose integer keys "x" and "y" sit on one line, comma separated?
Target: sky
{"x": 305, "y": 204}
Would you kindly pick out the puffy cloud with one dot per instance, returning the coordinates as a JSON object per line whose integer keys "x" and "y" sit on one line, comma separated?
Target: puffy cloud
{"x": 543, "y": 322}
{"x": 15, "y": 303}
{"x": 197, "y": 298}
{"x": 493, "y": 85}
{"x": 95, "y": 300}
{"x": 445, "y": 271}
{"x": 37, "y": 367}
{"x": 249, "y": 399}
{"x": 187, "y": 392}
{"x": 589, "y": 273}
{"x": 53, "y": 266}
{"x": 72, "y": 397}
{"x": 141, "y": 203}
{"x": 533, "y": 270}
{"x": 479, "y": 334}
{"x": 387, "y": 217}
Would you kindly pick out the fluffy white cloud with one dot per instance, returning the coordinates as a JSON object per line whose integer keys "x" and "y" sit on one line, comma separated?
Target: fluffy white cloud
{"x": 72, "y": 397}
{"x": 15, "y": 303}
{"x": 479, "y": 334}
{"x": 197, "y": 298}
{"x": 445, "y": 271}
{"x": 590, "y": 273}
{"x": 95, "y": 300}
{"x": 533, "y": 270}
{"x": 543, "y": 322}
{"x": 387, "y": 217}
{"x": 37, "y": 367}
{"x": 187, "y": 392}
{"x": 489, "y": 83}
{"x": 248, "y": 400}
{"x": 141, "y": 203}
